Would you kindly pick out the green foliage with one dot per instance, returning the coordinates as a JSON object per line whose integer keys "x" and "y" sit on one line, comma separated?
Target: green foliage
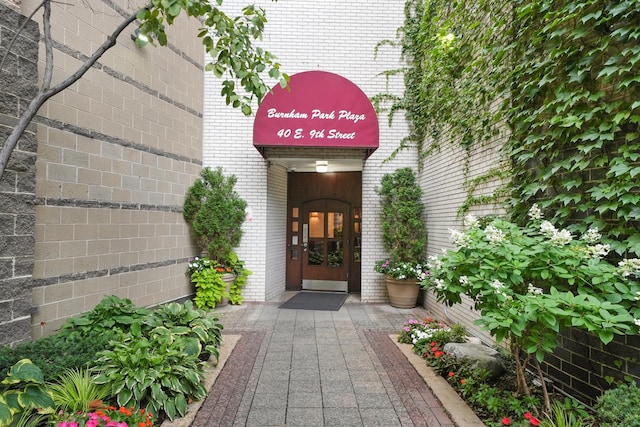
{"x": 404, "y": 234}
{"x": 558, "y": 82}
{"x": 74, "y": 391}
{"x": 215, "y": 212}
{"x": 160, "y": 372}
{"x": 566, "y": 414}
{"x": 22, "y": 392}
{"x": 57, "y": 353}
{"x": 111, "y": 313}
{"x": 228, "y": 40}
{"x": 187, "y": 321}
{"x": 530, "y": 282}
{"x": 620, "y": 406}
{"x": 215, "y": 281}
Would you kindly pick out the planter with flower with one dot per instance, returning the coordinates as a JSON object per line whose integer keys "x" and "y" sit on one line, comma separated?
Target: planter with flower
{"x": 215, "y": 213}
{"x": 218, "y": 284}
{"x": 404, "y": 237}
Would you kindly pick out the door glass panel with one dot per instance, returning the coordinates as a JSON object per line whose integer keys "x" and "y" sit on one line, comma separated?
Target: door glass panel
{"x": 316, "y": 225}
{"x": 316, "y": 252}
{"x": 334, "y": 254}
{"x": 335, "y": 225}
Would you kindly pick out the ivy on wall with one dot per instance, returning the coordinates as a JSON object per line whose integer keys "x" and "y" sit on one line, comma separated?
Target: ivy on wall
{"x": 557, "y": 81}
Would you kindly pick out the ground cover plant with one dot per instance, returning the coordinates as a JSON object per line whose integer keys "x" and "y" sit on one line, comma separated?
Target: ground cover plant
{"x": 494, "y": 400}
{"x": 147, "y": 367}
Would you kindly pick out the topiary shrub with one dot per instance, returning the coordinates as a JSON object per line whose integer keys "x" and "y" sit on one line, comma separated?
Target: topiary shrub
{"x": 215, "y": 213}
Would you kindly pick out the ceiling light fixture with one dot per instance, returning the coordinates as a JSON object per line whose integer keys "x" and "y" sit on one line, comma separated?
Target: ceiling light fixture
{"x": 322, "y": 166}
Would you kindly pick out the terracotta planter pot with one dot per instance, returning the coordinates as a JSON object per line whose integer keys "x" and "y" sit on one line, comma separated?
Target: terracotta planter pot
{"x": 227, "y": 278}
{"x": 403, "y": 293}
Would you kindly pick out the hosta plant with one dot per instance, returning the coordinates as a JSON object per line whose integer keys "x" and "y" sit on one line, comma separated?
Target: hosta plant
{"x": 160, "y": 372}
{"x": 187, "y": 321}
{"x": 22, "y": 394}
{"x": 530, "y": 282}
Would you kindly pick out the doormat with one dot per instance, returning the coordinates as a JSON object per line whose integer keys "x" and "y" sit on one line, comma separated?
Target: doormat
{"x": 305, "y": 300}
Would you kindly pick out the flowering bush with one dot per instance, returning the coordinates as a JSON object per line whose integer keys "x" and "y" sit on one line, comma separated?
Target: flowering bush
{"x": 107, "y": 417}
{"x": 401, "y": 270}
{"x": 419, "y": 332}
{"x": 529, "y": 282}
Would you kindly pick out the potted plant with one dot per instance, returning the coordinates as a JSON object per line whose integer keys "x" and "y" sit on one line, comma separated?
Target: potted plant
{"x": 404, "y": 236}
{"x": 215, "y": 213}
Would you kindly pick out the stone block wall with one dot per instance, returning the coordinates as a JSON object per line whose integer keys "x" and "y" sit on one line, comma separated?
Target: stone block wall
{"x": 17, "y": 185}
{"x": 116, "y": 152}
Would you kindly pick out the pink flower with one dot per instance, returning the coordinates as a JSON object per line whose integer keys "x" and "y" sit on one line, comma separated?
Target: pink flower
{"x": 506, "y": 421}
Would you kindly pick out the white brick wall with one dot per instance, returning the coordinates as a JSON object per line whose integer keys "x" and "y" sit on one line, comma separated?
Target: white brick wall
{"x": 329, "y": 35}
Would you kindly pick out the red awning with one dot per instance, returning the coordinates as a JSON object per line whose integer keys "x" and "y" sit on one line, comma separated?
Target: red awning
{"x": 318, "y": 109}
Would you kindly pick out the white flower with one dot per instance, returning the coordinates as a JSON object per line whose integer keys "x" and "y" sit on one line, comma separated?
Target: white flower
{"x": 637, "y": 297}
{"x": 637, "y": 322}
{"x": 434, "y": 263}
{"x": 497, "y": 285}
{"x": 533, "y": 290}
{"x": 464, "y": 280}
{"x": 561, "y": 238}
{"x": 470, "y": 221}
{"x": 440, "y": 285}
{"x": 598, "y": 251}
{"x": 493, "y": 234}
{"x": 592, "y": 235}
{"x": 535, "y": 212}
{"x": 629, "y": 267}
{"x": 459, "y": 239}
{"x": 547, "y": 229}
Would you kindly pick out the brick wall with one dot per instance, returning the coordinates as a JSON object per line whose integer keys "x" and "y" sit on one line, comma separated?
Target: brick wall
{"x": 334, "y": 36}
{"x": 116, "y": 153}
{"x": 583, "y": 367}
{"x": 17, "y": 184}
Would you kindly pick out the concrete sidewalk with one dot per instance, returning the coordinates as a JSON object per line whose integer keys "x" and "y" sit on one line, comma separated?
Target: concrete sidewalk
{"x": 318, "y": 368}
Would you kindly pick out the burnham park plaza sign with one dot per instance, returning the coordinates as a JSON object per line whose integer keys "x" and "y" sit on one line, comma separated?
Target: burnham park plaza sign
{"x": 318, "y": 109}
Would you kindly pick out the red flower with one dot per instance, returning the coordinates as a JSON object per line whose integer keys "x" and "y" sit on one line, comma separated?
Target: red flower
{"x": 462, "y": 381}
{"x": 533, "y": 420}
{"x": 434, "y": 344}
{"x": 451, "y": 374}
{"x": 437, "y": 354}
{"x": 506, "y": 421}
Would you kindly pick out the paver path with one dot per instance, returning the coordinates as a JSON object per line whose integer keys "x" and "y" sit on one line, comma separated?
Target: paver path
{"x": 318, "y": 368}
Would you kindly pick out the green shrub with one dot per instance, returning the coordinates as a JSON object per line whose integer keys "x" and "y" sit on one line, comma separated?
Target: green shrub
{"x": 55, "y": 354}
{"x": 620, "y": 406}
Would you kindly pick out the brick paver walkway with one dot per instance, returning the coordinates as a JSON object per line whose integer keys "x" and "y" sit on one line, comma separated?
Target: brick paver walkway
{"x": 318, "y": 368}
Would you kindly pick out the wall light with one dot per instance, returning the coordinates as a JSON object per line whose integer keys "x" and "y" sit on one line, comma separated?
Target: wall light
{"x": 322, "y": 166}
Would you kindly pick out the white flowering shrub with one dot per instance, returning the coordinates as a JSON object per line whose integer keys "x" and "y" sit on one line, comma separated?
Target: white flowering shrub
{"x": 530, "y": 282}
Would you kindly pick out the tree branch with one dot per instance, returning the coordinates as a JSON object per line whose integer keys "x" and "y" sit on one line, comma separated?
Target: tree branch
{"x": 45, "y": 93}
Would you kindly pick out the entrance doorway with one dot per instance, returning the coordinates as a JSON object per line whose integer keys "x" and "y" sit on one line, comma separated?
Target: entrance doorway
{"x": 325, "y": 245}
{"x": 324, "y": 231}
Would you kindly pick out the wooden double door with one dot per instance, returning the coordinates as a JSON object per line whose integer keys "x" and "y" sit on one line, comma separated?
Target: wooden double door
{"x": 323, "y": 250}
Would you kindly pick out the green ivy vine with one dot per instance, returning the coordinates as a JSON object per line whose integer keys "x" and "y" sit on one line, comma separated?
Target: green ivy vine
{"x": 557, "y": 82}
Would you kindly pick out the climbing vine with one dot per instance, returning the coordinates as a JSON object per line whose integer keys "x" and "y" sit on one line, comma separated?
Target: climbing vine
{"x": 557, "y": 82}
